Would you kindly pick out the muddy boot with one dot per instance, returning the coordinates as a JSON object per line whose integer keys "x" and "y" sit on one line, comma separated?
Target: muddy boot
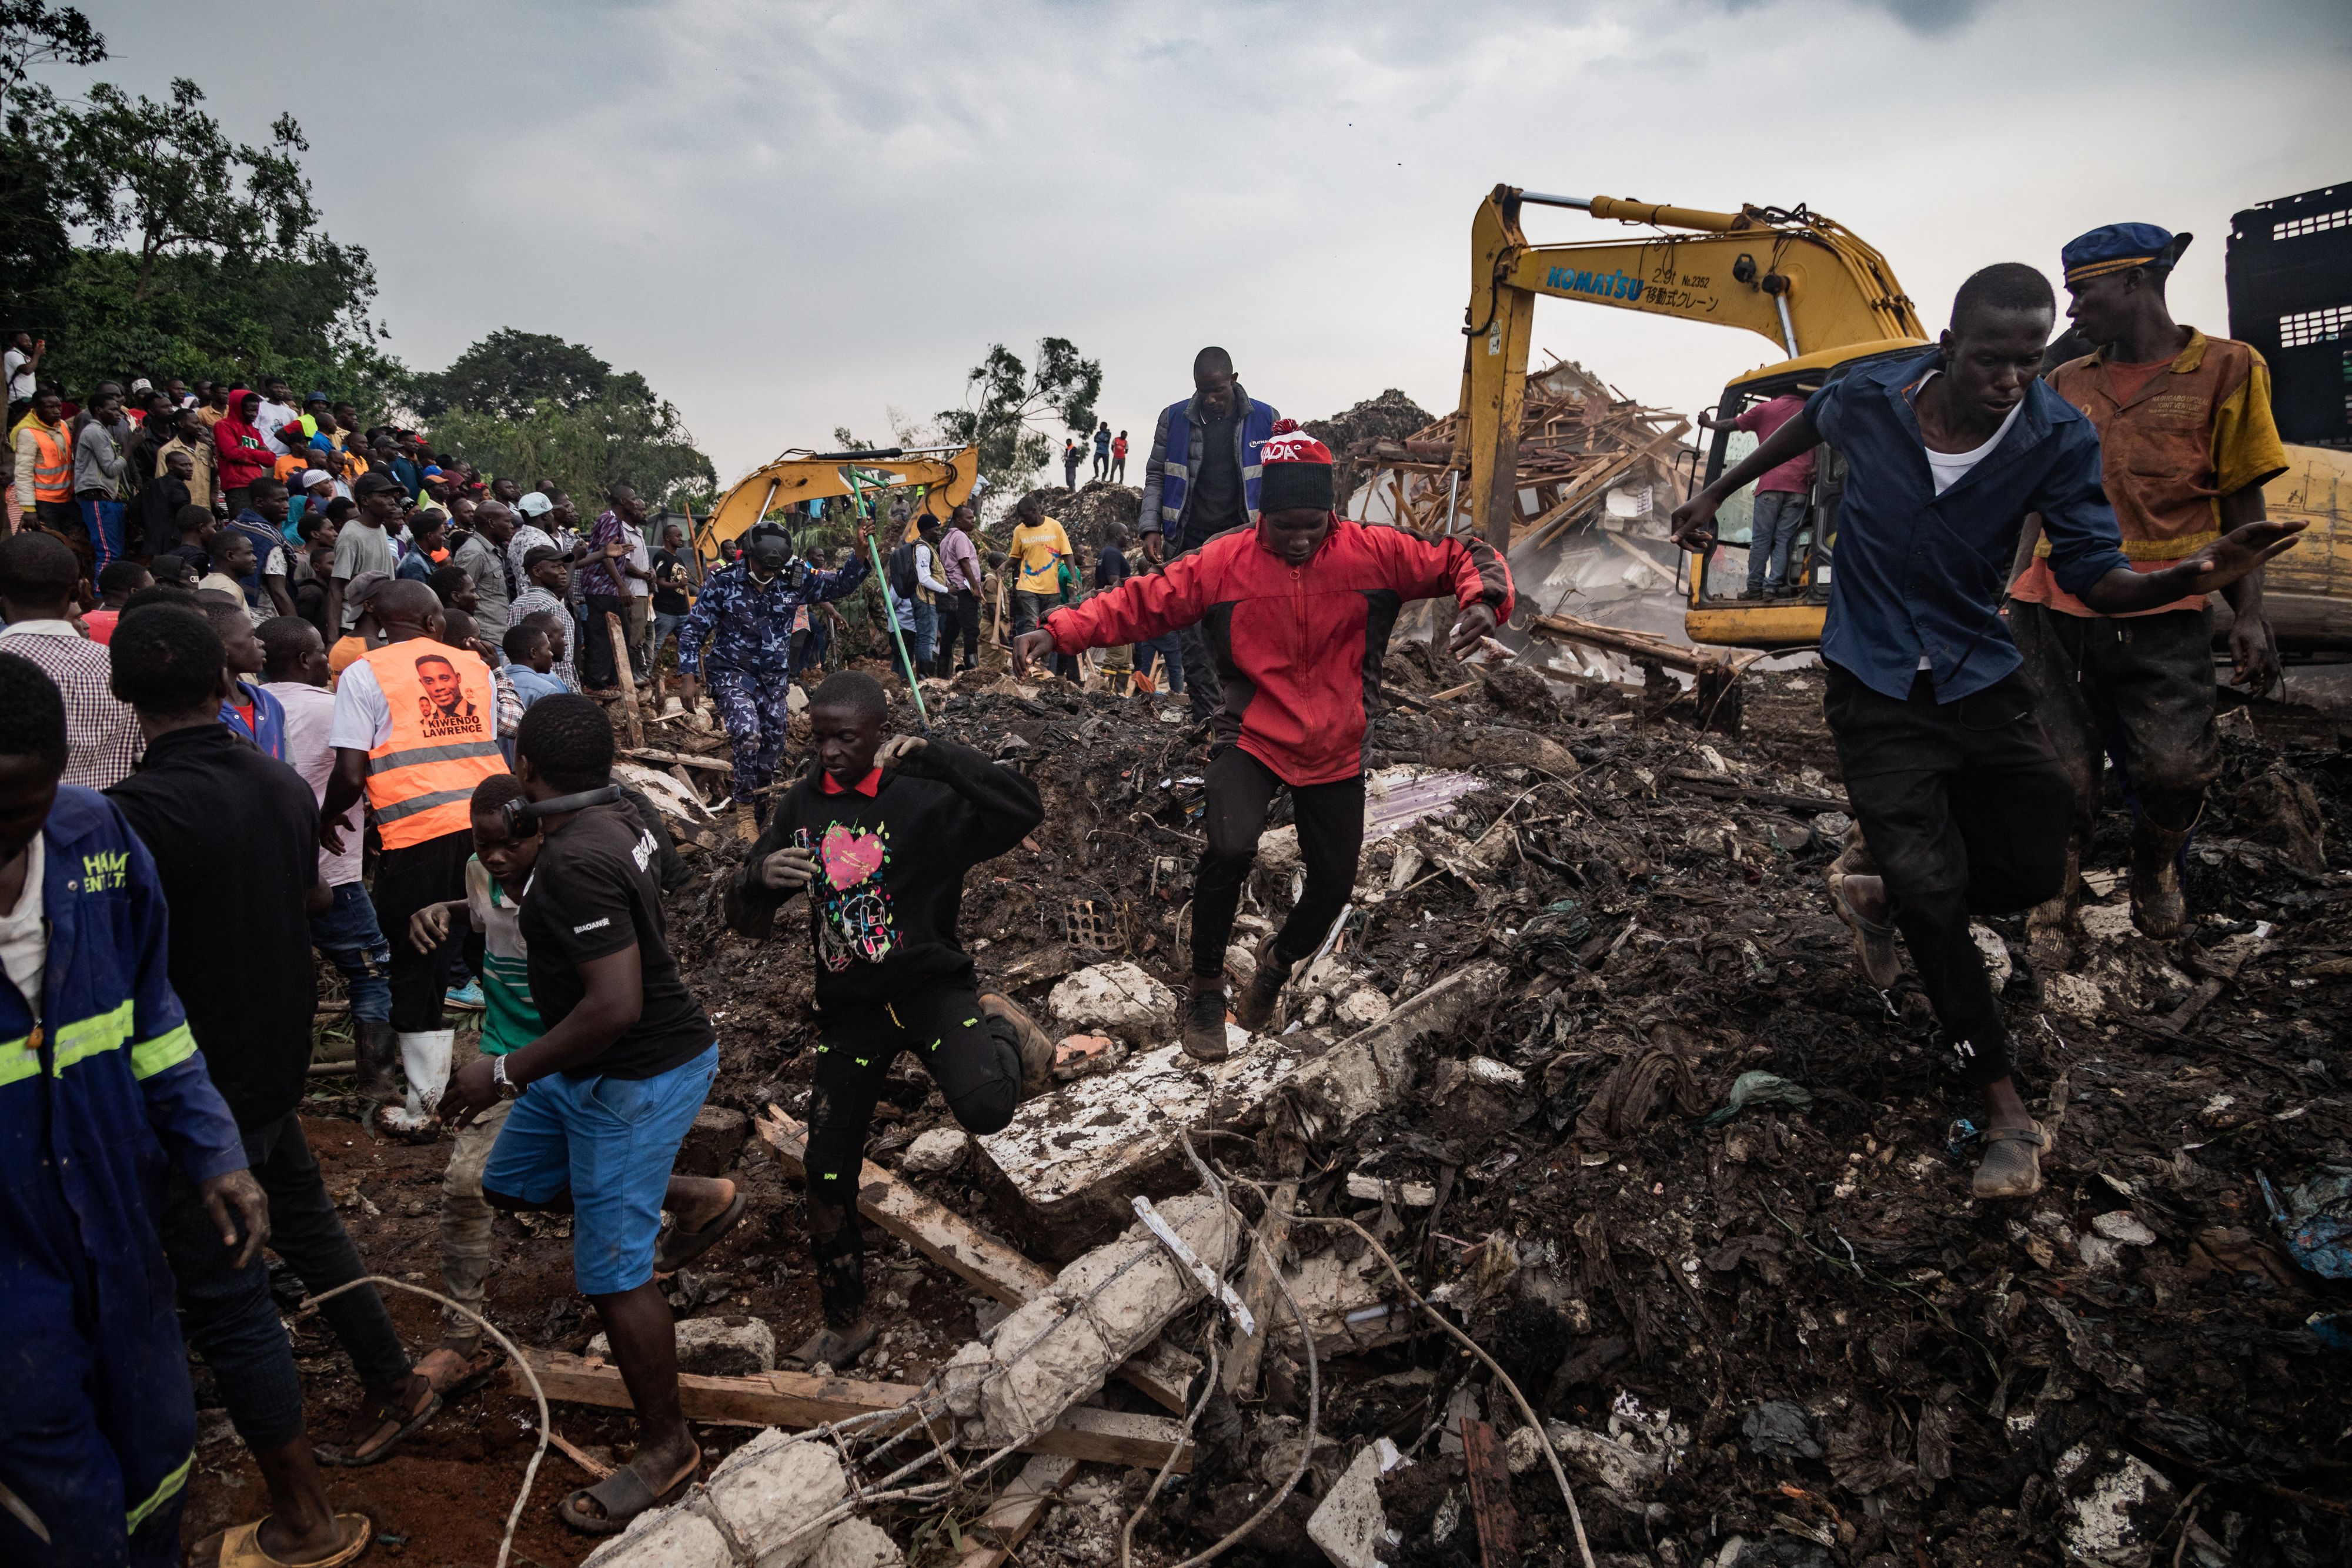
{"x": 1253, "y": 1009}
{"x": 2048, "y": 927}
{"x": 376, "y": 1048}
{"x": 1032, "y": 1046}
{"x": 1873, "y": 944}
{"x": 841, "y": 1291}
{"x": 1204, "y": 1019}
{"x": 2157, "y": 908}
{"x": 747, "y": 826}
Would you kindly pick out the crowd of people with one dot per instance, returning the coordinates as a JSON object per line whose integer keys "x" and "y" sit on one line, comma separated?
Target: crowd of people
{"x": 218, "y": 767}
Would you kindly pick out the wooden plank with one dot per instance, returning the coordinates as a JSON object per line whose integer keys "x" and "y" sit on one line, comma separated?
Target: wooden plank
{"x": 677, "y": 759}
{"x": 801, "y": 1400}
{"x": 1003, "y": 1274}
{"x": 1490, "y": 1495}
{"x": 631, "y": 718}
{"x": 978, "y": 1258}
{"x": 1247, "y": 1352}
{"x": 1016, "y": 1511}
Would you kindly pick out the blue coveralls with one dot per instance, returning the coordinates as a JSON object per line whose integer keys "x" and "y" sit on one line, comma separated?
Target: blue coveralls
{"x": 97, "y": 1419}
{"x": 738, "y": 639}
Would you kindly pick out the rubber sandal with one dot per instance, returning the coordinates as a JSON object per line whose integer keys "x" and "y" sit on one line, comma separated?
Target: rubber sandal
{"x": 240, "y": 1544}
{"x": 1873, "y": 945}
{"x": 835, "y": 1348}
{"x": 621, "y": 1496}
{"x": 2012, "y": 1167}
{"x": 350, "y": 1458}
{"x": 682, "y": 1246}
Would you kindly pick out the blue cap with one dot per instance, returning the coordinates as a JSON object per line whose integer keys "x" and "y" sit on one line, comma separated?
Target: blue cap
{"x": 317, "y": 397}
{"x": 2117, "y": 248}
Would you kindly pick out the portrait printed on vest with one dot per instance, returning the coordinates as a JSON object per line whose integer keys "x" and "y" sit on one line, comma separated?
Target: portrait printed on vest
{"x": 443, "y": 706}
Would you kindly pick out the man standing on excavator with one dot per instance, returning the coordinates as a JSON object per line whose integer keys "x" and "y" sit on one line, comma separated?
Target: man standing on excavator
{"x": 2186, "y": 442}
{"x": 1203, "y": 479}
{"x": 1962, "y": 803}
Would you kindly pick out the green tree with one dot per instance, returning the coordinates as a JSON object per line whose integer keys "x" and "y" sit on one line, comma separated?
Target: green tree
{"x": 199, "y": 256}
{"x": 1009, "y": 405}
{"x": 513, "y": 374}
{"x": 535, "y": 407}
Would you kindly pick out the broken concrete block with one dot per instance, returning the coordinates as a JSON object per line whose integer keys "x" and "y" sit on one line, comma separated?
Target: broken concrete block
{"x": 941, "y": 1149}
{"x": 2122, "y": 1225}
{"x": 1111, "y": 996}
{"x": 769, "y": 1491}
{"x": 1361, "y": 1009}
{"x": 1371, "y": 1069}
{"x": 1995, "y": 952}
{"x": 1411, "y": 1193}
{"x": 712, "y": 1143}
{"x": 1112, "y": 1303}
{"x": 1350, "y": 1524}
{"x": 2073, "y": 996}
{"x": 855, "y": 1543}
{"x": 715, "y": 1347}
{"x": 1342, "y": 1303}
{"x": 1066, "y": 1167}
{"x": 2118, "y": 1505}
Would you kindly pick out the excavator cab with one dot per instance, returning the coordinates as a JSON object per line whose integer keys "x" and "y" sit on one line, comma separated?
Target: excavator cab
{"x": 1720, "y": 612}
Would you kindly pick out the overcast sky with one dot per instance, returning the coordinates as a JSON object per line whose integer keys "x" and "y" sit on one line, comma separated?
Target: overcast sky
{"x": 793, "y": 216}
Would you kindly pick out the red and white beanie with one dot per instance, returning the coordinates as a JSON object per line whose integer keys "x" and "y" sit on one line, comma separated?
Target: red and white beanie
{"x": 1297, "y": 470}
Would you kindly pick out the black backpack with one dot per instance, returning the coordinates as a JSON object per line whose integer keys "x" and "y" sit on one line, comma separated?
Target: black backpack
{"x": 902, "y": 570}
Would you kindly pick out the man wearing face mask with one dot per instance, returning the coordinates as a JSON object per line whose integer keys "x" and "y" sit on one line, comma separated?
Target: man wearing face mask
{"x": 737, "y": 641}
{"x": 1303, "y": 577}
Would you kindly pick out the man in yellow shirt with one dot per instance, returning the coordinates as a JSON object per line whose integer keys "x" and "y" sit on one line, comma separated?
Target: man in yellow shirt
{"x": 2186, "y": 442}
{"x": 1040, "y": 546}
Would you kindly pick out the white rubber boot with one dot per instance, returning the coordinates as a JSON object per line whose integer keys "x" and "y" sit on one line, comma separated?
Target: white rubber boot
{"x": 425, "y": 1059}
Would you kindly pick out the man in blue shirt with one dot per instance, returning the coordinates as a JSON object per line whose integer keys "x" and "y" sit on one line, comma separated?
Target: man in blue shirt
{"x": 1960, "y": 800}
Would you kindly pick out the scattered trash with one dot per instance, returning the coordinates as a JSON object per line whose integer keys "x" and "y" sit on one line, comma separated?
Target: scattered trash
{"x": 2317, "y": 1220}
{"x": 1761, "y": 1088}
{"x": 1778, "y": 1429}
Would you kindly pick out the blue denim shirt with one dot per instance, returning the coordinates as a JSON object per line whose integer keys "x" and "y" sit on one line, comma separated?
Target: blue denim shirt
{"x": 1921, "y": 575}
{"x": 739, "y": 625}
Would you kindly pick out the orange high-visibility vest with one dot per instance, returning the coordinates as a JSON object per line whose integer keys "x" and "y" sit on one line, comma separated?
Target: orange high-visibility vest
{"x": 444, "y": 740}
{"x": 53, "y": 465}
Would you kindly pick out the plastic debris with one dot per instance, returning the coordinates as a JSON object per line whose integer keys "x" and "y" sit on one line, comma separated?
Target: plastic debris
{"x": 2317, "y": 1220}
{"x": 1761, "y": 1088}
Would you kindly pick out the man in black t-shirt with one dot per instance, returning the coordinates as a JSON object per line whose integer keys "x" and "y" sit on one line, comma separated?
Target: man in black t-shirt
{"x": 670, "y": 583}
{"x": 603, "y": 1098}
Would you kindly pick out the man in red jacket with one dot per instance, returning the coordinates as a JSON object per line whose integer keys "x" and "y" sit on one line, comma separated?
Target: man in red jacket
{"x": 1297, "y": 611}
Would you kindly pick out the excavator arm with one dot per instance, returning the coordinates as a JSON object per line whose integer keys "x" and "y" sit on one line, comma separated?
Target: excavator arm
{"x": 1796, "y": 277}
{"x": 947, "y": 477}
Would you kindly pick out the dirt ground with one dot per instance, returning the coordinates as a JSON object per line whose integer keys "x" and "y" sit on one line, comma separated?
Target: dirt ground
{"x": 1789, "y": 1337}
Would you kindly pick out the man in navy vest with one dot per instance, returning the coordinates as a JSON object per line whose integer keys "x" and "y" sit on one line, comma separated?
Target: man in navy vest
{"x": 1203, "y": 479}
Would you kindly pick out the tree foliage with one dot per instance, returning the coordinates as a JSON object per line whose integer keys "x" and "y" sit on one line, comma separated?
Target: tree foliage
{"x": 512, "y": 373}
{"x": 536, "y": 407}
{"x": 1010, "y": 405}
{"x": 197, "y": 255}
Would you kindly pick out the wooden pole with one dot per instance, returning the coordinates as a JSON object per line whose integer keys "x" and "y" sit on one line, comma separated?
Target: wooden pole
{"x": 631, "y": 718}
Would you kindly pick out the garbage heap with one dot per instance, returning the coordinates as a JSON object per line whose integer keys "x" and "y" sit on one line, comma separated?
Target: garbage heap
{"x": 1589, "y": 1060}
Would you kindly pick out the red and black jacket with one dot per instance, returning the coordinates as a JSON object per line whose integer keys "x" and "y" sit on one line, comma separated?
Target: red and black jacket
{"x": 1298, "y": 648}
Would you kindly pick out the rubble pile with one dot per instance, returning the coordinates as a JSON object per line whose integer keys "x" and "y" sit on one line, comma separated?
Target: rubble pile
{"x": 1590, "y": 1059}
{"x": 1698, "y": 1189}
{"x": 1386, "y": 420}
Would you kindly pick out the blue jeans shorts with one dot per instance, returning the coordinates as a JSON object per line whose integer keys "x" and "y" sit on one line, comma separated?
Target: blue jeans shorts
{"x": 610, "y": 1143}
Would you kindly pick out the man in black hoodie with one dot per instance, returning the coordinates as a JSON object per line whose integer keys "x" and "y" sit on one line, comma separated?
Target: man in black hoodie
{"x": 880, "y": 836}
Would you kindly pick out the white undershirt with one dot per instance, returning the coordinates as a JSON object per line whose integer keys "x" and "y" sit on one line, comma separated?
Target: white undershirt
{"x": 1948, "y": 468}
{"x": 22, "y": 951}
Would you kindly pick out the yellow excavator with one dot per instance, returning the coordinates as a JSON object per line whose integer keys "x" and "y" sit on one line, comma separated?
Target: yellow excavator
{"x": 941, "y": 478}
{"x": 1828, "y": 302}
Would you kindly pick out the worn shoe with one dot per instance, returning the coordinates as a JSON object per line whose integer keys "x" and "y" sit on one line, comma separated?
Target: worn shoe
{"x": 1253, "y": 1009}
{"x": 377, "y": 1048}
{"x": 1204, "y": 1019}
{"x": 1031, "y": 1044}
{"x": 2159, "y": 909}
{"x": 1873, "y": 944}
{"x": 467, "y": 997}
{"x": 2012, "y": 1162}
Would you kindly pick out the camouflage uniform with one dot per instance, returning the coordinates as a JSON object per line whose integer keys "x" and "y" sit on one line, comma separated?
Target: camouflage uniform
{"x": 738, "y": 639}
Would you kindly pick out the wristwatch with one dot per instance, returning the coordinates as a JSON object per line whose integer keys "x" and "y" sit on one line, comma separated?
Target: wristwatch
{"x": 508, "y": 1089}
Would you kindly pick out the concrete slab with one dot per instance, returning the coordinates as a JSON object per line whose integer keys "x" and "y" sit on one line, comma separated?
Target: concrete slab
{"x": 1065, "y": 1171}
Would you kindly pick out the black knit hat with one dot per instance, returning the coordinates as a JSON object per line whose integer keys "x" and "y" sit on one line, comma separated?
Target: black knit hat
{"x": 1297, "y": 470}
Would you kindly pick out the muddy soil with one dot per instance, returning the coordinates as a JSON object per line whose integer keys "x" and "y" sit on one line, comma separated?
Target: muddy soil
{"x": 1789, "y": 1337}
